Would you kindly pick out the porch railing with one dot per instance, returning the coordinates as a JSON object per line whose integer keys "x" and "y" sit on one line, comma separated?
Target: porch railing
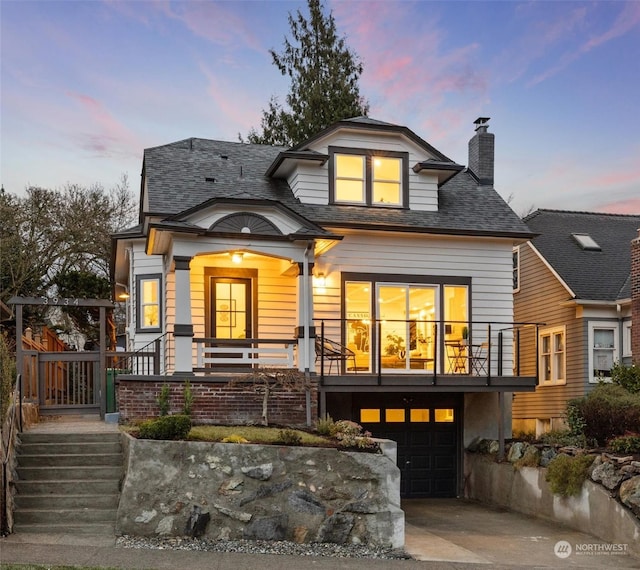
{"x": 144, "y": 361}
{"x": 213, "y": 354}
{"x": 477, "y": 348}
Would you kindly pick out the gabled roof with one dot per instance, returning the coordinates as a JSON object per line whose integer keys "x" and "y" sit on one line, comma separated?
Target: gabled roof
{"x": 188, "y": 174}
{"x": 591, "y": 274}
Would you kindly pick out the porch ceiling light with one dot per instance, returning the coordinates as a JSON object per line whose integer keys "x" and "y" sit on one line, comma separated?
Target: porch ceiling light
{"x": 237, "y": 256}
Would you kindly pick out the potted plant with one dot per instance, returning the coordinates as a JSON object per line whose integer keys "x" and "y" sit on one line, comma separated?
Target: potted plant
{"x": 465, "y": 334}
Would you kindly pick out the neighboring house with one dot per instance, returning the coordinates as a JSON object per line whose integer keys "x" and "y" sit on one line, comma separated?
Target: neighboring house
{"x": 575, "y": 277}
{"x": 365, "y": 235}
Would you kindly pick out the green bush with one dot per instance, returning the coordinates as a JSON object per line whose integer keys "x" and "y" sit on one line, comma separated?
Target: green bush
{"x": 607, "y": 412}
{"x": 566, "y": 474}
{"x": 351, "y": 435}
{"x": 164, "y": 399}
{"x": 575, "y": 421}
{"x": 564, "y": 438}
{"x": 166, "y": 427}
{"x": 625, "y": 444}
{"x": 7, "y": 375}
{"x": 289, "y": 437}
{"x": 188, "y": 399}
{"x": 626, "y": 376}
{"x": 324, "y": 425}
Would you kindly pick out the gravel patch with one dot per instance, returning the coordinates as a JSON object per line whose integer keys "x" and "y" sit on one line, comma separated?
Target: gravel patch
{"x": 262, "y": 547}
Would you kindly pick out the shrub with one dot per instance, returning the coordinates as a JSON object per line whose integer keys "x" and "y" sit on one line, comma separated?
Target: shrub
{"x": 575, "y": 420}
{"x": 7, "y": 375}
{"x": 164, "y": 399}
{"x": 626, "y": 444}
{"x": 608, "y": 411}
{"x": 563, "y": 438}
{"x": 289, "y": 437}
{"x": 350, "y": 434}
{"x": 566, "y": 474}
{"x": 626, "y": 376}
{"x": 324, "y": 425}
{"x": 166, "y": 427}
{"x": 188, "y": 399}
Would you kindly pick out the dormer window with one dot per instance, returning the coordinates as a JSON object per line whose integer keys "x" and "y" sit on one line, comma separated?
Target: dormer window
{"x": 360, "y": 176}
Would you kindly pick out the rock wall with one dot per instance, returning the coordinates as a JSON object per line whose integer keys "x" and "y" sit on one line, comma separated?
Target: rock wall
{"x": 525, "y": 490}
{"x": 245, "y": 491}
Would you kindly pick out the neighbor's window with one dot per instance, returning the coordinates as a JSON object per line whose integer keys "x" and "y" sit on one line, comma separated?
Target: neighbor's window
{"x": 148, "y": 306}
{"x": 626, "y": 339}
{"x": 516, "y": 269}
{"x": 552, "y": 356}
{"x": 603, "y": 349}
{"x": 366, "y": 177}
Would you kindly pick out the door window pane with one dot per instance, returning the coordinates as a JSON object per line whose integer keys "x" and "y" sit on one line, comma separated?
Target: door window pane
{"x": 443, "y": 415}
{"x": 394, "y": 415}
{"x": 419, "y": 415}
{"x": 370, "y": 416}
{"x": 358, "y": 322}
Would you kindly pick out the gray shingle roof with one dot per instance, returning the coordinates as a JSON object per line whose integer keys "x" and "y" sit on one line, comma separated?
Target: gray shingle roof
{"x": 188, "y": 173}
{"x": 592, "y": 275}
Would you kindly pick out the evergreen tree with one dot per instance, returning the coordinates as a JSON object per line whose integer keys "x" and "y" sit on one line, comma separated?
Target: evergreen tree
{"x": 324, "y": 86}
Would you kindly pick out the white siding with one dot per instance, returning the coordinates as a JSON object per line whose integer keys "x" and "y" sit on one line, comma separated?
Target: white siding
{"x": 310, "y": 184}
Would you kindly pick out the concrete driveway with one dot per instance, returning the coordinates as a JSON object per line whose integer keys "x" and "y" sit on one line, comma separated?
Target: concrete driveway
{"x": 463, "y": 532}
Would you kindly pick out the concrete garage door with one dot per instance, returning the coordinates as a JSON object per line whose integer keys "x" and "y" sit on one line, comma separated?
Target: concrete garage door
{"x": 427, "y": 431}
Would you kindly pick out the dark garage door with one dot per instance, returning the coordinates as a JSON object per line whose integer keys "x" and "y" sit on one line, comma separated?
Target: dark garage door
{"x": 427, "y": 433}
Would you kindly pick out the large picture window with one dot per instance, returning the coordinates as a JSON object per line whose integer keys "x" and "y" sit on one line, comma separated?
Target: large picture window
{"x": 395, "y": 324}
{"x": 552, "y": 356}
{"x": 360, "y": 176}
{"x": 148, "y": 306}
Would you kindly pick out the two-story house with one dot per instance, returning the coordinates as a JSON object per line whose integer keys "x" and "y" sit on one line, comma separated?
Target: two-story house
{"x": 575, "y": 277}
{"x": 364, "y": 236}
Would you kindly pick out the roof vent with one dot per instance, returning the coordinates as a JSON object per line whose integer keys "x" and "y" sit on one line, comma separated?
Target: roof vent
{"x": 209, "y": 179}
{"x": 586, "y": 242}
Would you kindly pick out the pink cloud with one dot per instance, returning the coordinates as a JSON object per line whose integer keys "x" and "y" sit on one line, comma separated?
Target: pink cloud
{"x": 106, "y": 136}
{"x": 627, "y": 206}
{"x": 627, "y": 19}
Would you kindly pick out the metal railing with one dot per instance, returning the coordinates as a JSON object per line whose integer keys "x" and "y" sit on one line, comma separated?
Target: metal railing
{"x": 463, "y": 348}
{"x": 144, "y": 361}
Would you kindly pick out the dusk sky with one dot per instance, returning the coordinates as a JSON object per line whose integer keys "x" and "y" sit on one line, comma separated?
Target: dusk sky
{"x": 87, "y": 85}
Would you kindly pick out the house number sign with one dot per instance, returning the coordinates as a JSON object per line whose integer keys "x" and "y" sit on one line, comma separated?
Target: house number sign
{"x": 59, "y": 301}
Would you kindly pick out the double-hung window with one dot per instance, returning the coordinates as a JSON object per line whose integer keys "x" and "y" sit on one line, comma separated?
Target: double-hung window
{"x": 552, "y": 344}
{"x": 603, "y": 349}
{"x": 360, "y": 176}
{"x": 148, "y": 306}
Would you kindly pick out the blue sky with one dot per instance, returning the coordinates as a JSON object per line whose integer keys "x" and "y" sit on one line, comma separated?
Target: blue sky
{"x": 87, "y": 85}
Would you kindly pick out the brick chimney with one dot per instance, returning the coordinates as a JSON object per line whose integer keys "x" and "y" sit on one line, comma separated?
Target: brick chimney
{"x": 635, "y": 299}
{"x": 481, "y": 152}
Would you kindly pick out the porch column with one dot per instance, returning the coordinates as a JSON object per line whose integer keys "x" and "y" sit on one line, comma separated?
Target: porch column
{"x": 306, "y": 331}
{"x": 183, "y": 327}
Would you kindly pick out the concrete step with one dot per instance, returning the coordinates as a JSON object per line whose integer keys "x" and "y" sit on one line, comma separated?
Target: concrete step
{"x": 61, "y": 516}
{"x": 108, "y": 437}
{"x": 68, "y": 501}
{"x": 69, "y": 448}
{"x": 67, "y": 473}
{"x": 85, "y": 529}
{"x": 69, "y": 487}
{"x": 70, "y": 460}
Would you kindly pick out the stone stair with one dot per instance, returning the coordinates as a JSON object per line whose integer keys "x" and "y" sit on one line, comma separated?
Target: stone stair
{"x": 68, "y": 483}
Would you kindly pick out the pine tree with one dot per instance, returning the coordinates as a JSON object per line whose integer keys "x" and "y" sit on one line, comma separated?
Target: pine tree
{"x": 324, "y": 86}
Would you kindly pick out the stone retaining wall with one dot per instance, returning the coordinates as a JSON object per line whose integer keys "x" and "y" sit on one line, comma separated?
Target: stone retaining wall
{"x": 525, "y": 490}
{"x": 245, "y": 491}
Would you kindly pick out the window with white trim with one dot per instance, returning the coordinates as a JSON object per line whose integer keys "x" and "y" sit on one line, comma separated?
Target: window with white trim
{"x": 626, "y": 339}
{"x": 148, "y": 306}
{"x": 516, "y": 269}
{"x": 552, "y": 343}
{"x": 603, "y": 349}
{"x": 368, "y": 177}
